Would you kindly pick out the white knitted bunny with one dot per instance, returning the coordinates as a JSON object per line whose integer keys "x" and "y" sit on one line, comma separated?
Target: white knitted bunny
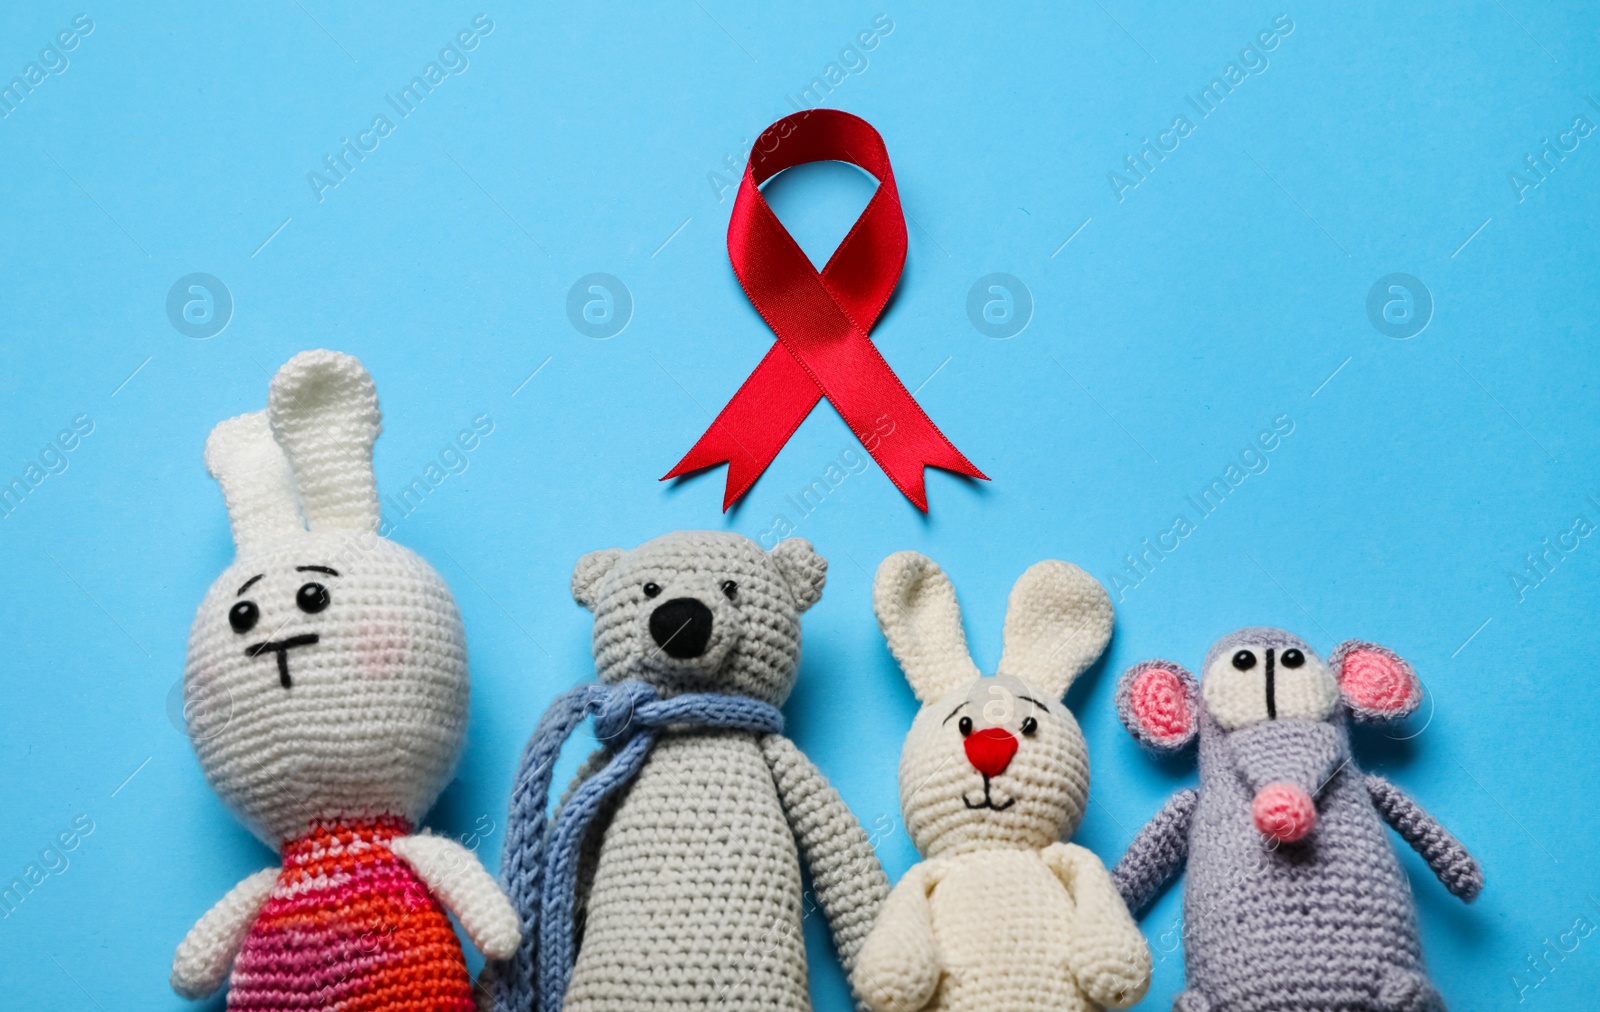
{"x": 326, "y": 693}
{"x": 1000, "y": 914}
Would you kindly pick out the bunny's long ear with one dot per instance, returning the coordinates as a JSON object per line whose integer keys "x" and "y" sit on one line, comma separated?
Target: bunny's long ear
{"x": 257, "y": 485}
{"x": 917, "y": 611}
{"x": 324, "y": 412}
{"x": 1057, "y": 622}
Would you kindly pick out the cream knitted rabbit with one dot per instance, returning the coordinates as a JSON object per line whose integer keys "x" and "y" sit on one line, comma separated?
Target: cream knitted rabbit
{"x": 326, "y": 693}
{"x": 1001, "y": 914}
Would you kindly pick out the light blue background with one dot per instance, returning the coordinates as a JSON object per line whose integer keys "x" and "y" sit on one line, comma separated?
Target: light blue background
{"x": 1224, "y": 291}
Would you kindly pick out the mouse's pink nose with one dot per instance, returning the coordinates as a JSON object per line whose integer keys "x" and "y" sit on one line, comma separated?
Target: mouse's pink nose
{"x": 1284, "y": 812}
{"x": 990, "y": 750}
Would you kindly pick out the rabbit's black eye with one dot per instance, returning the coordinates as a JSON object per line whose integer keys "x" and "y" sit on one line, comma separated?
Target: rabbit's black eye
{"x": 965, "y": 724}
{"x": 1293, "y": 658}
{"x": 244, "y": 616}
{"x": 652, "y": 589}
{"x": 312, "y": 598}
{"x": 729, "y": 589}
{"x": 1029, "y": 726}
{"x": 1244, "y": 660}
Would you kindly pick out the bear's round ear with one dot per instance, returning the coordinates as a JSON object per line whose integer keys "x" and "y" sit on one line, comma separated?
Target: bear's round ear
{"x": 802, "y": 569}
{"x": 1159, "y": 703}
{"x": 1376, "y": 682}
{"x": 590, "y": 572}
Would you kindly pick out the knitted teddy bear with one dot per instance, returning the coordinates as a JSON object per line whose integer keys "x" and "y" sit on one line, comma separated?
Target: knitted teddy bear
{"x": 1294, "y": 898}
{"x": 326, "y": 698}
{"x": 1001, "y": 913}
{"x": 676, "y": 853}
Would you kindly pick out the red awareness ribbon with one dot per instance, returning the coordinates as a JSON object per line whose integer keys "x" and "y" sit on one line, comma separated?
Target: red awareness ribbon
{"x": 821, "y": 321}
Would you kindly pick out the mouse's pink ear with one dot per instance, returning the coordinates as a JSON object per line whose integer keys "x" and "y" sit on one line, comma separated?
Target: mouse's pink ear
{"x": 1159, "y": 703}
{"x": 1376, "y": 682}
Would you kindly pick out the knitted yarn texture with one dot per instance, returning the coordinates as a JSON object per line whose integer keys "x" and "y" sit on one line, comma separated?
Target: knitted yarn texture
{"x": 688, "y": 892}
{"x": 542, "y": 878}
{"x": 350, "y": 926}
{"x": 325, "y": 691}
{"x": 1294, "y": 899}
{"x": 994, "y": 775}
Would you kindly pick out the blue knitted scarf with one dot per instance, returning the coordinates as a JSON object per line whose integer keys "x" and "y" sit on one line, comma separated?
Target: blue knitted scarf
{"x": 540, "y": 864}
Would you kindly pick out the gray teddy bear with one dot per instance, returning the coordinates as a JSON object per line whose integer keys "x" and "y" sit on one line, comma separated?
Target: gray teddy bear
{"x": 669, "y": 875}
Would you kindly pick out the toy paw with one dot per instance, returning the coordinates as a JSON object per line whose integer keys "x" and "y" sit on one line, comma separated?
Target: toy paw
{"x": 1408, "y": 992}
{"x": 1191, "y": 1001}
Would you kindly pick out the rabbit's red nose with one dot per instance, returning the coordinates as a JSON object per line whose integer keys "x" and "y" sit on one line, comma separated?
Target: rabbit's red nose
{"x": 990, "y": 750}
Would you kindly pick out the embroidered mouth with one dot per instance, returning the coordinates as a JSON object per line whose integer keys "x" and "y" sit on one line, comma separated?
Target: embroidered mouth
{"x": 988, "y": 800}
{"x": 281, "y": 648}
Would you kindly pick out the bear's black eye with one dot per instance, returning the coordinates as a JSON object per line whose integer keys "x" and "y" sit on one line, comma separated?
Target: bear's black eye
{"x": 1029, "y": 726}
{"x": 729, "y": 589}
{"x": 312, "y": 598}
{"x": 1293, "y": 658}
{"x": 652, "y": 589}
{"x": 965, "y": 725}
{"x": 244, "y": 616}
{"x": 1244, "y": 660}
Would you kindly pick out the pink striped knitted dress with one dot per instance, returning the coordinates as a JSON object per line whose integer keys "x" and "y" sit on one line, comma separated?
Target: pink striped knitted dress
{"x": 349, "y": 927}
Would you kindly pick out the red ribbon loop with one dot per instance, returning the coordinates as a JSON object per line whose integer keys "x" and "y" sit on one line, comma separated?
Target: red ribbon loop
{"x": 821, "y": 321}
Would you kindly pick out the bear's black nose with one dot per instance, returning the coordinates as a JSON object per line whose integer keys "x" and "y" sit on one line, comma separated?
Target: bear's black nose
{"x": 681, "y": 627}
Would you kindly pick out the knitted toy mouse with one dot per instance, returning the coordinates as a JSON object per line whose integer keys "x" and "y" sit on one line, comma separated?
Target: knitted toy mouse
{"x": 326, "y": 694}
{"x": 1294, "y": 899}
{"x": 678, "y": 848}
{"x": 1000, "y": 914}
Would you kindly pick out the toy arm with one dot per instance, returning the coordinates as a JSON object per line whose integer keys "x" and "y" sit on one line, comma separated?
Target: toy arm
{"x": 1449, "y": 860}
{"x": 454, "y": 875}
{"x": 206, "y": 953}
{"x": 1156, "y": 853}
{"x": 1109, "y": 956}
{"x": 849, "y": 881}
{"x": 899, "y": 966}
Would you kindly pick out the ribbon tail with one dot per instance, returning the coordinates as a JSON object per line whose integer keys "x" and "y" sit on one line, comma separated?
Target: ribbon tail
{"x": 760, "y": 417}
{"x": 908, "y": 474}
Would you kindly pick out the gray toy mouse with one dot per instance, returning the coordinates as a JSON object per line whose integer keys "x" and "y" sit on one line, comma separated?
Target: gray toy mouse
{"x": 1294, "y": 899}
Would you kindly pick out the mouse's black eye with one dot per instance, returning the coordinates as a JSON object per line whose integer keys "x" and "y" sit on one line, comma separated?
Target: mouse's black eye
{"x": 965, "y": 724}
{"x": 652, "y": 589}
{"x": 312, "y": 598}
{"x": 1293, "y": 658}
{"x": 730, "y": 589}
{"x": 244, "y": 616}
{"x": 1029, "y": 726}
{"x": 1244, "y": 660}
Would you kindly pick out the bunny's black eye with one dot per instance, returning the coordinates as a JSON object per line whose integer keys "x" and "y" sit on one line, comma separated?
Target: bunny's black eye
{"x": 965, "y": 724}
{"x": 652, "y": 589}
{"x": 1293, "y": 658}
{"x": 729, "y": 589}
{"x": 312, "y": 598}
{"x": 1029, "y": 726}
{"x": 244, "y": 616}
{"x": 1244, "y": 660}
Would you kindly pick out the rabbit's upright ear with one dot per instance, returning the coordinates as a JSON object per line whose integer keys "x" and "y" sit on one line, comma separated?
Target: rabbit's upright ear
{"x": 256, "y": 483}
{"x": 917, "y": 611}
{"x": 324, "y": 411}
{"x": 1058, "y": 621}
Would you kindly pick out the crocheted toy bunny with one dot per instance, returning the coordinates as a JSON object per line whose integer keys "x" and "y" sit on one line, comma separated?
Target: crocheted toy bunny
{"x": 1294, "y": 899}
{"x": 1001, "y": 914}
{"x": 326, "y": 692}
{"x": 679, "y": 845}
